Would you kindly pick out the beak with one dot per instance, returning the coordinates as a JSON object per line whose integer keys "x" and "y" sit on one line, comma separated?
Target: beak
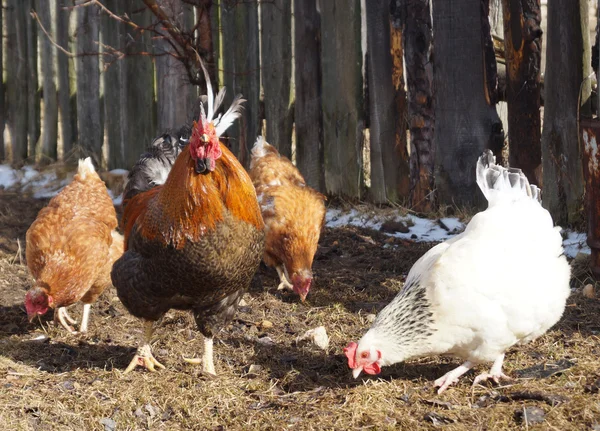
{"x": 303, "y": 296}
{"x": 356, "y": 372}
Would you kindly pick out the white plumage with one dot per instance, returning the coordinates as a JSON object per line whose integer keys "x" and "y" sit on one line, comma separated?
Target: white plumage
{"x": 502, "y": 282}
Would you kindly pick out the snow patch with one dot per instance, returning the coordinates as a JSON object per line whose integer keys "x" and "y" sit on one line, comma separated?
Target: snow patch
{"x": 575, "y": 243}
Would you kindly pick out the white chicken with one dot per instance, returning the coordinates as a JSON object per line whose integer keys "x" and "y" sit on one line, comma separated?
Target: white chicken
{"x": 503, "y": 281}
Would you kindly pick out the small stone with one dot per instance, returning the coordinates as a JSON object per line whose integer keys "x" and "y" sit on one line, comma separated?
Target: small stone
{"x": 393, "y": 226}
{"x": 139, "y": 413}
{"x": 266, "y": 341}
{"x": 254, "y": 369}
{"x": 151, "y": 411}
{"x": 530, "y": 415}
{"x": 588, "y": 291}
{"x": 109, "y": 424}
{"x": 68, "y": 385}
{"x": 265, "y": 324}
{"x": 243, "y": 303}
{"x": 370, "y": 317}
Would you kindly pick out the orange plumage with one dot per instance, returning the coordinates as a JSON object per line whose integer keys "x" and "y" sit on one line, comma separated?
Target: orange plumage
{"x": 71, "y": 247}
{"x": 293, "y": 213}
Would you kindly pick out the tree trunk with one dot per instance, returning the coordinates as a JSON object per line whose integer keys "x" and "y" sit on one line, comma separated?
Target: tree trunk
{"x": 276, "y": 64}
{"x": 112, "y": 35}
{"x": 419, "y": 83}
{"x": 400, "y": 103}
{"x": 241, "y": 71}
{"x": 175, "y": 96}
{"x": 16, "y": 74}
{"x": 307, "y": 79}
{"x": 2, "y": 92}
{"x": 385, "y": 158}
{"x": 138, "y": 80}
{"x": 62, "y": 14}
{"x": 49, "y": 136}
{"x": 33, "y": 88}
{"x": 208, "y": 37}
{"x": 88, "y": 84}
{"x": 523, "y": 47}
{"x": 567, "y": 64}
{"x": 466, "y": 123}
{"x": 343, "y": 115}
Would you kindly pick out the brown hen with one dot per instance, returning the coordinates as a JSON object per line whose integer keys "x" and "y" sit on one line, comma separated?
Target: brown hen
{"x": 293, "y": 213}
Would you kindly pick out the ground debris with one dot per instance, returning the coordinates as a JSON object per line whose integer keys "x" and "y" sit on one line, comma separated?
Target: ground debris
{"x": 437, "y": 419}
{"x": 317, "y": 335}
{"x": 109, "y": 424}
{"x": 550, "y": 399}
{"x": 440, "y": 403}
{"x": 541, "y": 371}
{"x": 530, "y": 415}
{"x": 592, "y": 386}
{"x": 393, "y": 226}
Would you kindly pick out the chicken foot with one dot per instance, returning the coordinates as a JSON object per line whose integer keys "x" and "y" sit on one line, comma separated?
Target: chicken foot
{"x": 143, "y": 356}
{"x": 208, "y": 365}
{"x": 285, "y": 284}
{"x": 495, "y": 373}
{"x": 452, "y": 376}
{"x": 66, "y": 320}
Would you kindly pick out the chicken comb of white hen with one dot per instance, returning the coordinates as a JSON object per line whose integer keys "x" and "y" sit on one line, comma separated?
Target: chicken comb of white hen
{"x": 503, "y": 281}
{"x": 85, "y": 167}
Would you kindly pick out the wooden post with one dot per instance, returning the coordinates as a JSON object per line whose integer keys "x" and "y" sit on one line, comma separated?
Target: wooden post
{"x": 16, "y": 75}
{"x": 307, "y": 79}
{"x": 523, "y": 47}
{"x": 385, "y": 156}
{"x": 567, "y": 65}
{"x": 276, "y": 66}
{"x": 400, "y": 102}
{"x": 175, "y": 96}
{"x": 343, "y": 115}
{"x": 49, "y": 136}
{"x": 112, "y": 35}
{"x": 88, "y": 84}
{"x": 62, "y": 15}
{"x": 421, "y": 119}
{"x": 466, "y": 122}
{"x": 33, "y": 88}
{"x": 241, "y": 71}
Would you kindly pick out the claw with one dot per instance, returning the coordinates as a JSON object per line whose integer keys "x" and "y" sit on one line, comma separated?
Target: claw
{"x": 144, "y": 358}
{"x": 495, "y": 378}
{"x": 62, "y": 316}
{"x": 452, "y": 376}
{"x": 285, "y": 284}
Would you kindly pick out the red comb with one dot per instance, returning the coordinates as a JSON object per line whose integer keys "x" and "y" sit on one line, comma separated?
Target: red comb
{"x": 350, "y": 353}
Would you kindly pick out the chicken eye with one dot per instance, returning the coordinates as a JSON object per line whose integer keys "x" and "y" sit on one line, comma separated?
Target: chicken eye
{"x": 364, "y": 355}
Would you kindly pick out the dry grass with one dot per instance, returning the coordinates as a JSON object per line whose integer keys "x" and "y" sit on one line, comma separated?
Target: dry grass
{"x": 66, "y": 382}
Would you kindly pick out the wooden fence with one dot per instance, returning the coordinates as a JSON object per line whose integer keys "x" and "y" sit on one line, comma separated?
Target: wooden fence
{"x": 324, "y": 82}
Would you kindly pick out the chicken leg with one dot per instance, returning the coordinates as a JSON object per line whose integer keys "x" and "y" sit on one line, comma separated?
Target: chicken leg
{"x": 495, "y": 373}
{"x": 143, "y": 356}
{"x": 283, "y": 278}
{"x": 208, "y": 365}
{"x": 452, "y": 376}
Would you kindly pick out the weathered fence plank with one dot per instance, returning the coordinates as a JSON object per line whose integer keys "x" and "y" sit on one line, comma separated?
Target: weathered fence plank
{"x": 62, "y": 15}
{"x": 523, "y": 51}
{"x": 567, "y": 64}
{"x": 307, "y": 107}
{"x": 276, "y": 68}
{"x": 464, "y": 120}
{"x": 49, "y": 138}
{"x": 112, "y": 35}
{"x": 88, "y": 84}
{"x": 138, "y": 80}
{"x": 17, "y": 77}
{"x": 400, "y": 102}
{"x": 33, "y": 89}
{"x": 343, "y": 115}
{"x": 2, "y": 93}
{"x": 241, "y": 70}
{"x": 421, "y": 114}
{"x": 385, "y": 157}
{"x": 175, "y": 95}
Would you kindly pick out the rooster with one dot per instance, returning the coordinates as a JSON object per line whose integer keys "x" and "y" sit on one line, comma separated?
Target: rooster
{"x": 293, "y": 214}
{"x": 503, "y": 281}
{"x": 71, "y": 247}
{"x": 194, "y": 235}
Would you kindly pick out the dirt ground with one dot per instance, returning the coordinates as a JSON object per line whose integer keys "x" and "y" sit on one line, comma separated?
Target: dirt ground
{"x": 50, "y": 380}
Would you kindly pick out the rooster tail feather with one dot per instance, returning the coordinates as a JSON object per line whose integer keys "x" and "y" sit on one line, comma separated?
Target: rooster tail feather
{"x": 496, "y": 181}
{"x": 234, "y": 112}
{"x": 85, "y": 167}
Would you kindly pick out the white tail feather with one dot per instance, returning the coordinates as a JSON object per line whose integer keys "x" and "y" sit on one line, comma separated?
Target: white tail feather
{"x": 85, "y": 167}
{"x": 499, "y": 182}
